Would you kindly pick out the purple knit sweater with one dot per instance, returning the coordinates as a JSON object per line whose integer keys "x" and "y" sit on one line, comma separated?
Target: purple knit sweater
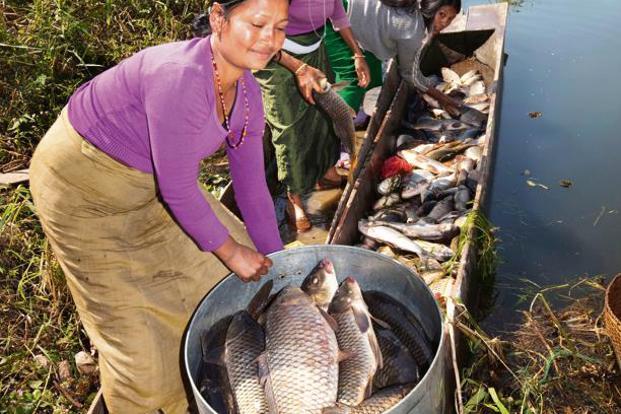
{"x": 156, "y": 111}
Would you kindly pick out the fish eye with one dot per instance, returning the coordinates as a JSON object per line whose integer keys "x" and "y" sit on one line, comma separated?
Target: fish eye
{"x": 315, "y": 281}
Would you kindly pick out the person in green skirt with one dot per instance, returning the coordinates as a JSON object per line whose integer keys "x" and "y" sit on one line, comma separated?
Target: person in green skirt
{"x": 305, "y": 147}
{"x": 385, "y": 29}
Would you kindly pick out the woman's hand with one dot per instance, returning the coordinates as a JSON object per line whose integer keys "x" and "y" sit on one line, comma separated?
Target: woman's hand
{"x": 362, "y": 71}
{"x": 308, "y": 79}
{"x": 247, "y": 264}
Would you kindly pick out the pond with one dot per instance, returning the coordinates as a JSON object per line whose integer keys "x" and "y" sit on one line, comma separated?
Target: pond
{"x": 563, "y": 63}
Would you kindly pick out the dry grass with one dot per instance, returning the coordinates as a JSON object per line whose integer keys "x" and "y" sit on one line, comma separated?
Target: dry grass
{"x": 557, "y": 361}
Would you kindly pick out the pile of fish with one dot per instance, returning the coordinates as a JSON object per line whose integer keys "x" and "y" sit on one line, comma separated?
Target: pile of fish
{"x": 318, "y": 348}
{"x": 427, "y": 187}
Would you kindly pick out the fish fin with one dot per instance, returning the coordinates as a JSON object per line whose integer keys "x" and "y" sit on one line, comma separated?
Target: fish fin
{"x": 380, "y": 323}
{"x": 265, "y": 379}
{"x": 369, "y": 390}
{"x": 361, "y": 318}
{"x": 331, "y": 321}
{"x": 376, "y": 350}
{"x": 215, "y": 356}
{"x": 260, "y": 300}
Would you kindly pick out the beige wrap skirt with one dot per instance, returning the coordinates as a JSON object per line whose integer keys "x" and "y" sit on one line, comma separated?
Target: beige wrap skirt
{"x": 134, "y": 275}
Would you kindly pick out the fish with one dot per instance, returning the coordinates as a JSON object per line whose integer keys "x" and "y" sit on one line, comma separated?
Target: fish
{"x": 438, "y": 251}
{"x": 475, "y": 153}
{"x": 432, "y": 124}
{"x": 424, "y": 231}
{"x": 369, "y": 102}
{"x": 321, "y": 284}
{"x": 439, "y": 185}
{"x": 477, "y": 88}
{"x": 404, "y": 324}
{"x": 213, "y": 381}
{"x": 425, "y": 208}
{"x": 390, "y": 214}
{"x": 415, "y": 183}
{"x": 389, "y": 185}
{"x": 340, "y": 113}
{"x": 355, "y": 337}
{"x": 389, "y": 236}
{"x": 430, "y": 276}
{"x": 299, "y": 368}
{"x": 447, "y": 153}
{"x": 245, "y": 341}
{"x": 369, "y": 244}
{"x": 386, "y": 201}
{"x": 420, "y": 161}
{"x": 462, "y": 198}
{"x": 379, "y": 402}
{"x": 399, "y": 366}
{"x": 411, "y": 140}
{"x": 476, "y": 99}
{"x": 443, "y": 207}
{"x": 464, "y": 166}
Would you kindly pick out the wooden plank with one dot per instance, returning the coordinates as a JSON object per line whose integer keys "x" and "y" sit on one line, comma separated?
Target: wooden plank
{"x": 363, "y": 194}
{"x": 387, "y": 94}
{"x": 15, "y": 177}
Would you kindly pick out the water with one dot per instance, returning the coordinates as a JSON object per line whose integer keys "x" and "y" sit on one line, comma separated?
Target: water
{"x": 563, "y": 63}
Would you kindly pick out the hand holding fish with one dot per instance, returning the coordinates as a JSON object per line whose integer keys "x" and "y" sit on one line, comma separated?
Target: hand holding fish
{"x": 308, "y": 79}
{"x": 248, "y": 264}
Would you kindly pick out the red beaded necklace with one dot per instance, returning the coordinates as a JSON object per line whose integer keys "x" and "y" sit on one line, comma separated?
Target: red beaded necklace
{"x": 229, "y": 133}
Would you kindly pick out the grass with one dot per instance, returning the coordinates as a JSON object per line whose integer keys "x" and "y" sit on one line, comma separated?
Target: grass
{"x": 556, "y": 361}
{"x": 47, "y": 49}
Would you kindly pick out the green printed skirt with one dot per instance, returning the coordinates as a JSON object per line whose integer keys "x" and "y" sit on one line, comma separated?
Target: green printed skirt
{"x": 303, "y": 144}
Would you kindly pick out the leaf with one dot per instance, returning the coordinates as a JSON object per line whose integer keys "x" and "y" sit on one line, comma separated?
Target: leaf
{"x": 499, "y": 404}
{"x": 475, "y": 400}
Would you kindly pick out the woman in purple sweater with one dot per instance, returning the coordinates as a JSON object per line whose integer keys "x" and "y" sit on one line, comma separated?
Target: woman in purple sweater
{"x": 115, "y": 185}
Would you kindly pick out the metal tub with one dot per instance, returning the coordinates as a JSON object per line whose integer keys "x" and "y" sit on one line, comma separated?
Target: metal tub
{"x": 373, "y": 271}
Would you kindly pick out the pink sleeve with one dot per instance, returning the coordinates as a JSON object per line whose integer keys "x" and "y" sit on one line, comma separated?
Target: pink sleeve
{"x": 178, "y": 119}
{"x": 339, "y": 18}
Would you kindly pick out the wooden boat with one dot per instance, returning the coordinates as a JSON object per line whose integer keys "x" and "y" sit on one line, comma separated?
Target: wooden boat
{"x": 479, "y": 35}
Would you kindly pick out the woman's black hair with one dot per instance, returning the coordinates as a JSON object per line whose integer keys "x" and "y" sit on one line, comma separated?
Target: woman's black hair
{"x": 427, "y": 8}
{"x": 200, "y": 24}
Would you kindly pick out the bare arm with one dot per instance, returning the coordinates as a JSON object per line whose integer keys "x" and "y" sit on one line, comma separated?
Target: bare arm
{"x": 362, "y": 68}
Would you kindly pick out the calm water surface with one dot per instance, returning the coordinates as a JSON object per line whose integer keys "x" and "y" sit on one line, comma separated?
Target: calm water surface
{"x": 563, "y": 62}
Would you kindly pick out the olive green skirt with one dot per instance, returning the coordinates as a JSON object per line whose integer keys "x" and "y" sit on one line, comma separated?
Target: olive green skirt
{"x": 304, "y": 145}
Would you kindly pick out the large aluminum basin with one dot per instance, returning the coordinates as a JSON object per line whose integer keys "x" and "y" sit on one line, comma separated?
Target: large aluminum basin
{"x": 372, "y": 270}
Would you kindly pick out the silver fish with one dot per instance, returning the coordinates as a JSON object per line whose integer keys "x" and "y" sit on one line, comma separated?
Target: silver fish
{"x": 431, "y": 124}
{"x": 475, "y": 153}
{"x": 443, "y": 207}
{"x": 438, "y": 251}
{"x": 462, "y": 198}
{"x": 356, "y": 337}
{"x": 299, "y": 368}
{"x": 415, "y": 183}
{"x": 244, "y": 343}
{"x": 424, "y": 231}
{"x": 389, "y": 185}
{"x": 386, "y": 201}
{"x": 377, "y": 404}
{"x": 404, "y": 324}
{"x": 321, "y": 284}
{"x": 399, "y": 365}
{"x": 420, "y": 161}
{"x": 389, "y": 236}
{"x": 341, "y": 114}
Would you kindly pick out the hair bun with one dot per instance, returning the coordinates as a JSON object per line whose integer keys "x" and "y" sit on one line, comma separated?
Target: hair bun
{"x": 200, "y": 25}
